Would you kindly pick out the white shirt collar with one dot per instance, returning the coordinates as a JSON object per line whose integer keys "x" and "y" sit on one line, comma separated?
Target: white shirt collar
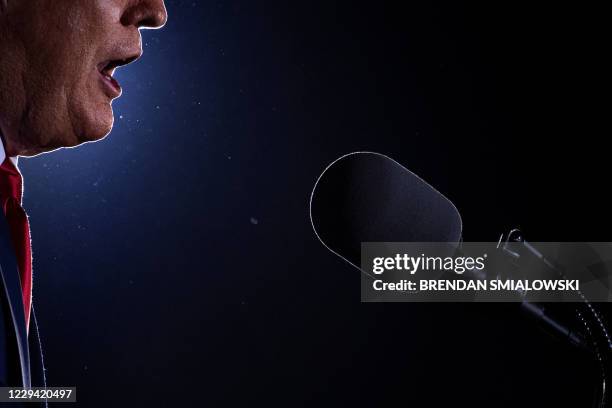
{"x": 3, "y": 154}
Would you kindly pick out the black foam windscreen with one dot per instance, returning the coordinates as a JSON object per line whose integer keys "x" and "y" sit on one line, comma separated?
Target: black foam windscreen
{"x": 369, "y": 197}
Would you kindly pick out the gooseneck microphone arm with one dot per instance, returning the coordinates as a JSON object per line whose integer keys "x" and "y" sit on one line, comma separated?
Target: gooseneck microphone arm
{"x": 537, "y": 311}
{"x": 595, "y": 338}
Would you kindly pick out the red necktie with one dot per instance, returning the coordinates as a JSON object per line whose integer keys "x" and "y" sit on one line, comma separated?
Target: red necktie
{"x": 10, "y": 199}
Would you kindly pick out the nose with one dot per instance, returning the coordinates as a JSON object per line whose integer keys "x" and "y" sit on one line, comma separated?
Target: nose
{"x": 145, "y": 14}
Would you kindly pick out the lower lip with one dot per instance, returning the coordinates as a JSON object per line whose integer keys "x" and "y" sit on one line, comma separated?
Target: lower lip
{"x": 111, "y": 86}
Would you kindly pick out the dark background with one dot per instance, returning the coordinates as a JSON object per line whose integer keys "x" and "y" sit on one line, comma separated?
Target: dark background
{"x": 175, "y": 263}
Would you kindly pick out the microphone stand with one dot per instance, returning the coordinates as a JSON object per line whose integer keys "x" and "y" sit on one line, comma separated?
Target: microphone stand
{"x": 595, "y": 337}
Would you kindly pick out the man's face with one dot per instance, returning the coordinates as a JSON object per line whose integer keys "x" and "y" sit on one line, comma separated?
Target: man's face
{"x": 57, "y": 58}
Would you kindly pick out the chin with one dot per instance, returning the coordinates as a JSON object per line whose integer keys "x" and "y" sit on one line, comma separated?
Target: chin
{"x": 90, "y": 130}
{"x": 57, "y": 129}
{"x": 96, "y": 126}
{"x": 95, "y": 133}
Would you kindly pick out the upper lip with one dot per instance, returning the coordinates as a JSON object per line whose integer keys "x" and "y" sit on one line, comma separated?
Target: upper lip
{"x": 108, "y": 66}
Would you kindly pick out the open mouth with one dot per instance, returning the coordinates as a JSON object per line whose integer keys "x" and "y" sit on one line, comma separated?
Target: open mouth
{"x": 107, "y": 69}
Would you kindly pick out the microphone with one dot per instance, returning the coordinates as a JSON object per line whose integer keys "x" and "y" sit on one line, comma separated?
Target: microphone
{"x": 369, "y": 197}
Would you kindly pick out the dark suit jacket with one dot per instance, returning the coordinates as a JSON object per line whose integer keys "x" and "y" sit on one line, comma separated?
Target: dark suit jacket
{"x": 21, "y": 362}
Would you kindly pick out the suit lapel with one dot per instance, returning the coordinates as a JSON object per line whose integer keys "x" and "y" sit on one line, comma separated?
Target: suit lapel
{"x": 37, "y": 364}
{"x": 12, "y": 286}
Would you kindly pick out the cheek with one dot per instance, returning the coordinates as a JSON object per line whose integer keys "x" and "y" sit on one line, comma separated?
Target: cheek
{"x": 87, "y": 109}
{"x": 63, "y": 103}
{"x": 70, "y": 107}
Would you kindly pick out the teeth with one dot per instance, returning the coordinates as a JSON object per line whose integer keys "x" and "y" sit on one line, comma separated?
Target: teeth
{"x": 107, "y": 76}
